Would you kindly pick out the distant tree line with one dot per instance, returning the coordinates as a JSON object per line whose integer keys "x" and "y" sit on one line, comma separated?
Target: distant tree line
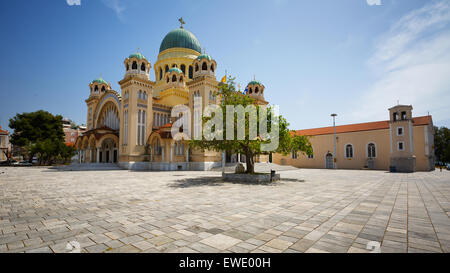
{"x": 40, "y": 134}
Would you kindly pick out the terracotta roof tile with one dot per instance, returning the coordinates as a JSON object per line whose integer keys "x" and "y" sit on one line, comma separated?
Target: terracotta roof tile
{"x": 368, "y": 126}
{"x": 3, "y": 132}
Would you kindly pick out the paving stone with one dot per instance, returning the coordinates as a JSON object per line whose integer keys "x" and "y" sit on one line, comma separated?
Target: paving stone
{"x": 279, "y": 244}
{"x": 160, "y": 240}
{"x": 131, "y": 239}
{"x": 143, "y": 245}
{"x": 99, "y": 248}
{"x": 220, "y": 241}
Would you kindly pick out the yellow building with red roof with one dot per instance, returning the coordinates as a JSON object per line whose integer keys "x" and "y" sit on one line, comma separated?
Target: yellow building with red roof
{"x": 403, "y": 143}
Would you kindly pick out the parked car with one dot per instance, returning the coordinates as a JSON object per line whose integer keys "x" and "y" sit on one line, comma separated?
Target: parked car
{"x": 22, "y": 163}
{"x": 13, "y": 162}
{"x": 25, "y": 163}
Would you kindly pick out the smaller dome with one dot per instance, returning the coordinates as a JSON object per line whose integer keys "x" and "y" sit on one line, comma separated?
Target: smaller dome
{"x": 100, "y": 81}
{"x": 177, "y": 70}
{"x": 204, "y": 56}
{"x": 137, "y": 56}
{"x": 255, "y": 83}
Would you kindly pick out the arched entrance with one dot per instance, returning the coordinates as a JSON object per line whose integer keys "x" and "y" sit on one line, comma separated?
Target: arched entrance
{"x": 329, "y": 161}
{"x": 107, "y": 151}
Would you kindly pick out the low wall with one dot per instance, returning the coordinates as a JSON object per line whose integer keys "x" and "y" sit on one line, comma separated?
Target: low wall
{"x": 251, "y": 178}
{"x": 173, "y": 166}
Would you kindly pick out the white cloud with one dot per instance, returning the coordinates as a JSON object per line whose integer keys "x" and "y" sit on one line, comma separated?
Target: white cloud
{"x": 117, "y": 6}
{"x": 373, "y": 2}
{"x": 412, "y": 64}
{"x": 73, "y": 2}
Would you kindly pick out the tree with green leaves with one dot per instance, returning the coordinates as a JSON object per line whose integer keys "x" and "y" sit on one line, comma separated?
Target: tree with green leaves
{"x": 442, "y": 144}
{"x": 40, "y": 133}
{"x": 250, "y": 144}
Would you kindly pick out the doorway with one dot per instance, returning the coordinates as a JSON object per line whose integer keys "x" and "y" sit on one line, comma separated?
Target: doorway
{"x": 329, "y": 161}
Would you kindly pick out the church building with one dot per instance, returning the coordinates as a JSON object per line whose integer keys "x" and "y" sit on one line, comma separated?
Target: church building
{"x": 403, "y": 144}
{"x": 133, "y": 127}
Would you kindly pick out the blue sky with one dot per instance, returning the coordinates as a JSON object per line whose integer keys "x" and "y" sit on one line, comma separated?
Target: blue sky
{"x": 353, "y": 57}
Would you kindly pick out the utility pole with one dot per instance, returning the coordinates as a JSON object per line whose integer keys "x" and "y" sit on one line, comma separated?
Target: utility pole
{"x": 334, "y": 137}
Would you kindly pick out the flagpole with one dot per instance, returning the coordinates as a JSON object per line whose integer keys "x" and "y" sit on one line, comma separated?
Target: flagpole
{"x": 223, "y": 152}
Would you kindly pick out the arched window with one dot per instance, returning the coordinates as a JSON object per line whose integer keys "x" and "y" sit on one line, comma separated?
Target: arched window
{"x": 371, "y": 150}
{"x": 174, "y": 65}
{"x": 196, "y": 67}
{"x": 349, "y": 151}
{"x": 212, "y": 67}
{"x": 166, "y": 68}
{"x": 160, "y": 73}
{"x": 250, "y": 90}
{"x": 256, "y": 90}
{"x": 191, "y": 72}
{"x": 181, "y": 79}
{"x": 128, "y": 66}
{"x": 134, "y": 66}
{"x": 138, "y": 140}
{"x": 96, "y": 88}
{"x": 167, "y": 79}
{"x": 403, "y": 115}
{"x": 179, "y": 148}
{"x": 125, "y": 127}
{"x": 157, "y": 147}
{"x": 294, "y": 154}
{"x": 204, "y": 66}
{"x": 174, "y": 78}
{"x": 103, "y": 89}
{"x": 183, "y": 68}
{"x": 143, "y": 67}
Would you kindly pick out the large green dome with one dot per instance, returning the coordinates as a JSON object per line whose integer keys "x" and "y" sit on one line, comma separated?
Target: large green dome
{"x": 180, "y": 37}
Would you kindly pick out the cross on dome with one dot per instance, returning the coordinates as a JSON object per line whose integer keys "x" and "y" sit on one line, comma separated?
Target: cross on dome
{"x": 182, "y": 22}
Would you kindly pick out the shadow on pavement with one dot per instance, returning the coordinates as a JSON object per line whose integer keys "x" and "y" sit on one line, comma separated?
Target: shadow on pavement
{"x": 218, "y": 181}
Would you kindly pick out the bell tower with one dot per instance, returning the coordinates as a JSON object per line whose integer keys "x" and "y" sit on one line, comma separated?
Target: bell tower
{"x": 401, "y": 133}
{"x": 137, "y": 106}
{"x": 202, "y": 90}
{"x": 255, "y": 90}
{"x": 97, "y": 88}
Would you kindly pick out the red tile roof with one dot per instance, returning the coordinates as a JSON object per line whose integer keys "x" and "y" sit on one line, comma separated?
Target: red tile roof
{"x": 3, "y": 132}
{"x": 368, "y": 126}
{"x": 168, "y": 125}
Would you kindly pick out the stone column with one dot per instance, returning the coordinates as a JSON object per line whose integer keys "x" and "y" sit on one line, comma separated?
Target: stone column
{"x": 163, "y": 156}
{"x": 187, "y": 154}
{"x": 98, "y": 155}
{"x": 171, "y": 153}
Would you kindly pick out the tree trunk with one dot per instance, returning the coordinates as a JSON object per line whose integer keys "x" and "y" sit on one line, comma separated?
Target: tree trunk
{"x": 249, "y": 161}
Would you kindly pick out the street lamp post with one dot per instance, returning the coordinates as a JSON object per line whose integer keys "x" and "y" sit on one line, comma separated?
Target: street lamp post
{"x": 334, "y": 137}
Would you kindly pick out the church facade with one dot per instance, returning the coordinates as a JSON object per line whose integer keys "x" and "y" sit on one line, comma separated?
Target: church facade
{"x": 403, "y": 144}
{"x": 133, "y": 127}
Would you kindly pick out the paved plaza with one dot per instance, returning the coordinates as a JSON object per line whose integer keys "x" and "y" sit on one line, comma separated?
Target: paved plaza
{"x": 42, "y": 209}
